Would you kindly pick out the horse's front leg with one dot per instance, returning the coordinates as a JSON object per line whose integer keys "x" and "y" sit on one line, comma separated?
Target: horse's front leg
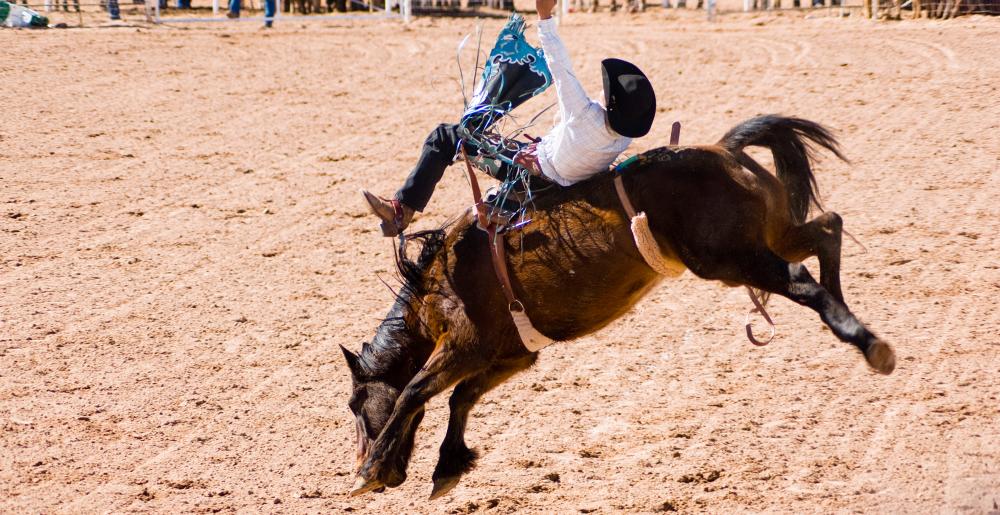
{"x": 456, "y": 458}
{"x": 383, "y": 466}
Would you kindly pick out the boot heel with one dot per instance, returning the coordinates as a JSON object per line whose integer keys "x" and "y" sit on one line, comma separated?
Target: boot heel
{"x": 388, "y": 229}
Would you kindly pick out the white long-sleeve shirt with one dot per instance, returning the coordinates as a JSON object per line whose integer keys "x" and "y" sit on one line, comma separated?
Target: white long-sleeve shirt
{"x": 581, "y": 144}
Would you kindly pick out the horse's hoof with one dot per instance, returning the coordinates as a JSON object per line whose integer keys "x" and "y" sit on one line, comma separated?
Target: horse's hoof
{"x": 881, "y": 357}
{"x": 443, "y": 486}
{"x": 363, "y": 486}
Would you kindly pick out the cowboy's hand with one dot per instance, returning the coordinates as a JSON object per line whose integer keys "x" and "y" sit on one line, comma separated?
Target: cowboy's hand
{"x": 544, "y": 8}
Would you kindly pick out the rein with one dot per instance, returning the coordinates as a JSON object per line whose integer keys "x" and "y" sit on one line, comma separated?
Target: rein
{"x": 653, "y": 257}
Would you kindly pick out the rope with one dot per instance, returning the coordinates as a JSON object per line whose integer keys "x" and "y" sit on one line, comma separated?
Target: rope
{"x": 759, "y": 308}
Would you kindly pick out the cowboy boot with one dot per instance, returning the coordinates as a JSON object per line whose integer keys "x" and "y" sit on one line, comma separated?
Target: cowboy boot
{"x": 394, "y": 214}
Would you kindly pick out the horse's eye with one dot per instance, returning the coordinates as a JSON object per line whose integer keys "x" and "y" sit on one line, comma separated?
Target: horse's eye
{"x": 357, "y": 399}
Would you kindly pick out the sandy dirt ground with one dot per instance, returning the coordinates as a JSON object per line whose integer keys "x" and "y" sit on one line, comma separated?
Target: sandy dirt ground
{"x": 183, "y": 248}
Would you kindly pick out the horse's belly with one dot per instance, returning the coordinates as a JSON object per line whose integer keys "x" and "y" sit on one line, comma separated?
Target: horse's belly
{"x": 586, "y": 302}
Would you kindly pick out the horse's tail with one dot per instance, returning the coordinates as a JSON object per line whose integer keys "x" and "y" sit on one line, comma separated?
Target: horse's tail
{"x": 789, "y": 140}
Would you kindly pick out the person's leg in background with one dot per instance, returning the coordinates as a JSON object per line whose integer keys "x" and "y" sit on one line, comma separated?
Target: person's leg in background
{"x": 234, "y": 9}
{"x": 269, "y": 12}
{"x": 113, "y": 11}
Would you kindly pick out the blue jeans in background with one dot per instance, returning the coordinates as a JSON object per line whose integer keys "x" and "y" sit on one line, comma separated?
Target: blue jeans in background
{"x": 269, "y": 11}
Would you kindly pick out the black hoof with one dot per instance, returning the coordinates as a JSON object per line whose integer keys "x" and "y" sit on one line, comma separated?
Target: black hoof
{"x": 450, "y": 467}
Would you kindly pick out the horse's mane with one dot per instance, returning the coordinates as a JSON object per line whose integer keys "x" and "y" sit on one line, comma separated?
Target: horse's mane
{"x": 387, "y": 355}
{"x": 411, "y": 272}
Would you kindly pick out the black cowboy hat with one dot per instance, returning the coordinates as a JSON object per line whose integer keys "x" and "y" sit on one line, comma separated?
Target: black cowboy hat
{"x": 628, "y": 97}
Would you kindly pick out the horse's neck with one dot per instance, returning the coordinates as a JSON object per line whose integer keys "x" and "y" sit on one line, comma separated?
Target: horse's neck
{"x": 399, "y": 349}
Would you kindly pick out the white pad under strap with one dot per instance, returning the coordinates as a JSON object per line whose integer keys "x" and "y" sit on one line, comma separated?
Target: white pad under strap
{"x": 650, "y": 250}
{"x": 530, "y": 337}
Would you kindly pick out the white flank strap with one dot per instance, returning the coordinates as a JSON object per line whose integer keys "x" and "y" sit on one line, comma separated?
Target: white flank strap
{"x": 650, "y": 250}
{"x": 530, "y": 337}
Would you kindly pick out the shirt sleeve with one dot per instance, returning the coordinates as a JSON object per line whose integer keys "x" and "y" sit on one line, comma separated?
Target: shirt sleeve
{"x": 572, "y": 97}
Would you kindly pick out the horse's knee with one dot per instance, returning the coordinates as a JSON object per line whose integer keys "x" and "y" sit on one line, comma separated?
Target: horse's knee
{"x": 410, "y": 400}
{"x": 833, "y": 222}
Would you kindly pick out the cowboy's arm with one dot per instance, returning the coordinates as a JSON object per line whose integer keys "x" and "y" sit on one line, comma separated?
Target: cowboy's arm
{"x": 571, "y": 94}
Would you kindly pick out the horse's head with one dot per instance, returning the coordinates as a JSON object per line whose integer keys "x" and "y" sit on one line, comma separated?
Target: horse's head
{"x": 385, "y": 365}
{"x": 372, "y": 401}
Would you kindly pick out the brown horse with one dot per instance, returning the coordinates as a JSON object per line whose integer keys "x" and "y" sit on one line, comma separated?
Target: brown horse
{"x": 576, "y": 269}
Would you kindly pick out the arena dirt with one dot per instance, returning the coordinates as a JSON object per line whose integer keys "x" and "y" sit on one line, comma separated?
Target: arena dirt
{"x": 184, "y": 247}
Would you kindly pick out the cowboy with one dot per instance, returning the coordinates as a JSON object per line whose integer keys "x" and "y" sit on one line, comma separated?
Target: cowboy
{"x": 587, "y": 139}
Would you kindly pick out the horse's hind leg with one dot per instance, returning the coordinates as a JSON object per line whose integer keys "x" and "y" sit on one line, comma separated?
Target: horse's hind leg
{"x": 456, "y": 458}
{"x": 385, "y": 465}
{"x": 820, "y": 237}
{"x": 762, "y": 269}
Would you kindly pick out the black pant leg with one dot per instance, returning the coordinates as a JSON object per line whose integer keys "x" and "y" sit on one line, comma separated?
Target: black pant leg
{"x": 438, "y": 152}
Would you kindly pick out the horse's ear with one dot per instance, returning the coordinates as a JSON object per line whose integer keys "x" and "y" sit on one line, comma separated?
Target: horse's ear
{"x": 352, "y": 362}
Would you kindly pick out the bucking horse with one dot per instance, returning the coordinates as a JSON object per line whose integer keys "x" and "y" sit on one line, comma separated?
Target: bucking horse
{"x": 476, "y": 305}
{"x": 576, "y": 268}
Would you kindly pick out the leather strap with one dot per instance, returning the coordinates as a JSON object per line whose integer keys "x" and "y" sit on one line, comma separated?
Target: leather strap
{"x": 397, "y": 214}
{"x": 477, "y": 194}
{"x": 499, "y": 254}
{"x": 623, "y": 197}
{"x": 675, "y": 137}
{"x": 496, "y": 242}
